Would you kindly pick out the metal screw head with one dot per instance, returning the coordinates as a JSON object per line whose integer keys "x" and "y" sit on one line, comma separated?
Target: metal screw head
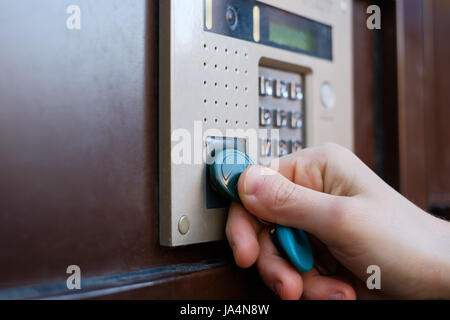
{"x": 184, "y": 225}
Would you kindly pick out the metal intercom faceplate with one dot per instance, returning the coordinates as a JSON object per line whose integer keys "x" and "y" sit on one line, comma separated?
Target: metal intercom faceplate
{"x": 209, "y": 87}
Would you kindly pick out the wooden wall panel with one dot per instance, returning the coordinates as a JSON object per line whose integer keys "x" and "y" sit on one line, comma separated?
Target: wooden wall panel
{"x": 412, "y": 109}
{"x": 424, "y": 70}
{"x": 364, "y": 86}
{"x": 375, "y": 91}
{"x": 437, "y": 101}
{"x": 218, "y": 283}
{"x": 388, "y": 142}
{"x": 78, "y": 142}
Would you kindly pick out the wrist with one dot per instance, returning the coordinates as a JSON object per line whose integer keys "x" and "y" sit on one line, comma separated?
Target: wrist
{"x": 439, "y": 272}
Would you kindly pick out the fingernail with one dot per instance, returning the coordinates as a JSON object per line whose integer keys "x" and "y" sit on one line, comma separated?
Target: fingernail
{"x": 278, "y": 288}
{"x": 253, "y": 179}
{"x": 336, "y": 296}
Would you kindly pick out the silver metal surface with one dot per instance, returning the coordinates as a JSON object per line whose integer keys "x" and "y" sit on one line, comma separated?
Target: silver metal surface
{"x": 210, "y": 82}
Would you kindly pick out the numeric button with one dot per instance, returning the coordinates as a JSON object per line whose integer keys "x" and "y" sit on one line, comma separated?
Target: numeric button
{"x": 295, "y": 120}
{"x": 265, "y": 86}
{"x": 265, "y": 118}
{"x": 284, "y": 148}
{"x": 266, "y": 147}
{"x": 297, "y": 146}
{"x": 280, "y": 118}
{"x": 295, "y": 91}
{"x": 280, "y": 89}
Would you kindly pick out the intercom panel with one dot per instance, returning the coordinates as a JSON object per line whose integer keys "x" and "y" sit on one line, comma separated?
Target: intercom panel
{"x": 265, "y": 77}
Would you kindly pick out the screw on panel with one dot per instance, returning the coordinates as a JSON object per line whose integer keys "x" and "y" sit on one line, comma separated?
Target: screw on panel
{"x": 183, "y": 225}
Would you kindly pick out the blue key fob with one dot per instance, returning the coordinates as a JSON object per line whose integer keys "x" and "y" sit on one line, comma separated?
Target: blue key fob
{"x": 224, "y": 175}
{"x": 295, "y": 245}
{"x": 225, "y": 171}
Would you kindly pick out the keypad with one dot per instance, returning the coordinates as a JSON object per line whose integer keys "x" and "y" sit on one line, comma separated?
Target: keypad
{"x": 281, "y": 107}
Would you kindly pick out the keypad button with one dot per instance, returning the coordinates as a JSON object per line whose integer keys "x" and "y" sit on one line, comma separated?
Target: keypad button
{"x": 297, "y": 146}
{"x": 268, "y": 86}
{"x": 280, "y": 118}
{"x": 265, "y": 117}
{"x": 265, "y": 147}
{"x": 295, "y": 91}
{"x": 265, "y": 86}
{"x": 284, "y": 148}
{"x": 295, "y": 120}
{"x": 262, "y": 88}
{"x": 280, "y": 89}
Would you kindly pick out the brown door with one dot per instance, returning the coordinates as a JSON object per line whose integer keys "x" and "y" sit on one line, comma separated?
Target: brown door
{"x": 78, "y": 147}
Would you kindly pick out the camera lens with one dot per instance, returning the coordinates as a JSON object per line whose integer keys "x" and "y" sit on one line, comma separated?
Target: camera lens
{"x": 231, "y": 16}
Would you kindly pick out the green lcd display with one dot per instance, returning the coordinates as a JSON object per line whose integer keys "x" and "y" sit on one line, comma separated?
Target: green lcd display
{"x": 292, "y": 37}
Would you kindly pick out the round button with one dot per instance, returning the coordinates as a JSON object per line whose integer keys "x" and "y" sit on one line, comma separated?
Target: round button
{"x": 327, "y": 95}
{"x": 225, "y": 171}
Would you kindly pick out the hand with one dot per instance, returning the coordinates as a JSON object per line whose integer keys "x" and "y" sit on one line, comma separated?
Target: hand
{"x": 355, "y": 219}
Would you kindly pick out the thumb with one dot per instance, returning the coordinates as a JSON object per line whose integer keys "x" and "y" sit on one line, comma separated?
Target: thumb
{"x": 272, "y": 197}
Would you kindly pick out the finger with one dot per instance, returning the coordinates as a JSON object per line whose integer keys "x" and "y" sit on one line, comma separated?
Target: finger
{"x": 318, "y": 287}
{"x": 305, "y": 167}
{"x": 272, "y": 197}
{"x": 276, "y": 272}
{"x": 242, "y": 233}
{"x": 325, "y": 168}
